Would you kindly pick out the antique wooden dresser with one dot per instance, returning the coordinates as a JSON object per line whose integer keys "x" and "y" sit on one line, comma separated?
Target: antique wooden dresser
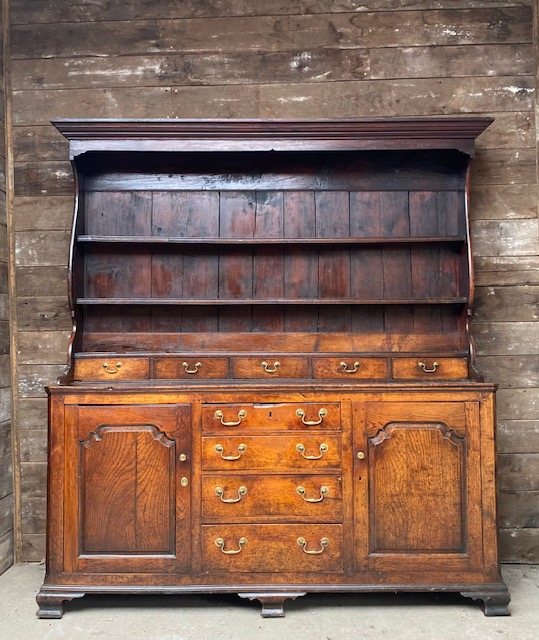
{"x": 271, "y": 385}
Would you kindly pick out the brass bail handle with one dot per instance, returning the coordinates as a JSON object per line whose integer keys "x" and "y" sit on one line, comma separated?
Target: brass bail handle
{"x": 242, "y": 448}
{"x": 324, "y": 491}
{"x": 313, "y": 552}
{"x": 219, "y": 542}
{"x": 218, "y": 415}
{"x": 323, "y": 448}
{"x": 312, "y": 423}
{"x": 268, "y": 368}
{"x": 112, "y": 368}
{"x": 344, "y": 366}
{"x": 195, "y": 368}
{"x": 425, "y": 367}
{"x": 220, "y": 492}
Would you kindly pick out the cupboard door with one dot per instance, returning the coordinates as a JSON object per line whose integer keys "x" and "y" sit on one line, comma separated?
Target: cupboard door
{"x": 418, "y": 485}
{"x": 126, "y": 506}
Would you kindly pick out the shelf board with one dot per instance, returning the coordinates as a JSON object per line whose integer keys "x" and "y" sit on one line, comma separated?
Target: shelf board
{"x": 257, "y": 302}
{"x": 160, "y": 240}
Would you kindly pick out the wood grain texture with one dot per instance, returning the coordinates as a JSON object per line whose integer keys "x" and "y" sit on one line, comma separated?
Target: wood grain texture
{"x": 412, "y": 58}
{"x": 518, "y": 469}
{"x": 518, "y": 436}
{"x": 514, "y": 304}
{"x": 270, "y": 33}
{"x": 8, "y": 468}
{"x": 519, "y": 545}
{"x": 56, "y": 212}
{"x": 321, "y": 65}
{"x": 440, "y": 61}
{"x": 78, "y": 11}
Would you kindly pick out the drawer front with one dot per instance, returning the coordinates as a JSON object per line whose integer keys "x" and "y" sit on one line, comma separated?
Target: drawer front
{"x": 112, "y": 368}
{"x": 190, "y": 367}
{"x": 233, "y": 498}
{"x": 271, "y": 417}
{"x": 270, "y": 367}
{"x": 286, "y": 548}
{"x": 281, "y": 453}
{"x": 421, "y": 368}
{"x": 350, "y": 367}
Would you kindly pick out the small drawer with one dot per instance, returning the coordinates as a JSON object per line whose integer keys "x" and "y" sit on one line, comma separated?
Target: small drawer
{"x": 277, "y": 453}
{"x": 112, "y": 368}
{"x": 267, "y": 548}
{"x": 271, "y": 417}
{"x": 270, "y": 367}
{"x": 350, "y": 367}
{"x": 190, "y": 367}
{"x": 425, "y": 368}
{"x": 235, "y": 498}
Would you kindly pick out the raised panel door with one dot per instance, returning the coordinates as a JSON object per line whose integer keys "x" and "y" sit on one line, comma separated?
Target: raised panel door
{"x": 418, "y": 485}
{"x": 127, "y": 508}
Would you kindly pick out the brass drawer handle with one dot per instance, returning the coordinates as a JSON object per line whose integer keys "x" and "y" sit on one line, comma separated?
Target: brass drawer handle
{"x": 219, "y": 542}
{"x": 313, "y": 552}
{"x": 112, "y": 368}
{"x": 311, "y": 423}
{"x": 426, "y": 368}
{"x": 218, "y": 415}
{"x": 269, "y": 368}
{"x": 195, "y": 369}
{"x": 323, "y": 448}
{"x": 345, "y": 369}
{"x": 324, "y": 491}
{"x": 219, "y": 491}
{"x": 242, "y": 448}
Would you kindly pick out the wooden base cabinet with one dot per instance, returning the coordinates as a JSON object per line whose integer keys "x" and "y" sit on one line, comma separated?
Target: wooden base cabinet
{"x": 271, "y": 386}
{"x": 272, "y": 496}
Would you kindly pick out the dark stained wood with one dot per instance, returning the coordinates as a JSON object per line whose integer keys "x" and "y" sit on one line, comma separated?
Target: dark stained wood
{"x": 440, "y": 61}
{"x": 57, "y": 212}
{"x": 43, "y": 178}
{"x": 181, "y": 69}
{"x": 78, "y": 11}
{"x": 270, "y": 386}
{"x": 273, "y": 33}
{"x": 519, "y": 545}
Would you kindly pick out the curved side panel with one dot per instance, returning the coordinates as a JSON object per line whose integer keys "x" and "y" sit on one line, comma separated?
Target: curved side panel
{"x": 474, "y": 373}
{"x": 73, "y": 276}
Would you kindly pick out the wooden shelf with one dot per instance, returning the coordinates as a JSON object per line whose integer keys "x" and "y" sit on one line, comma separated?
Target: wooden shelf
{"x": 160, "y": 240}
{"x": 257, "y": 302}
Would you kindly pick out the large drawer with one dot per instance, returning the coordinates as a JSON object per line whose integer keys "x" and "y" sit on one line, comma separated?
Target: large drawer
{"x": 286, "y": 548}
{"x": 190, "y": 367}
{"x": 232, "y": 498}
{"x": 112, "y": 368}
{"x": 270, "y": 367}
{"x": 350, "y": 368}
{"x": 281, "y": 453}
{"x": 431, "y": 368}
{"x": 271, "y": 417}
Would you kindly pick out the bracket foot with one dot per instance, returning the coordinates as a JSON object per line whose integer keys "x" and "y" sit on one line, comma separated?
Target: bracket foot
{"x": 51, "y": 603}
{"x": 495, "y": 602}
{"x": 273, "y": 602}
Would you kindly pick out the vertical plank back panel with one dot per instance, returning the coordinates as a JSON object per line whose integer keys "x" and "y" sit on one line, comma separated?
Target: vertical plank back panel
{"x": 300, "y": 264}
{"x": 268, "y": 263}
{"x": 237, "y": 217}
{"x": 333, "y": 221}
{"x": 118, "y": 213}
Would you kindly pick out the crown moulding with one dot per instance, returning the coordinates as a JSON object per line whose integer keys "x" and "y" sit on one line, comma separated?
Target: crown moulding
{"x": 441, "y": 132}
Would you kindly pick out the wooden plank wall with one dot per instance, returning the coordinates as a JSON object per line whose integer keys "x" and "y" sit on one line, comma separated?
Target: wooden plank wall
{"x": 267, "y": 58}
{"x": 6, "y": 467}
